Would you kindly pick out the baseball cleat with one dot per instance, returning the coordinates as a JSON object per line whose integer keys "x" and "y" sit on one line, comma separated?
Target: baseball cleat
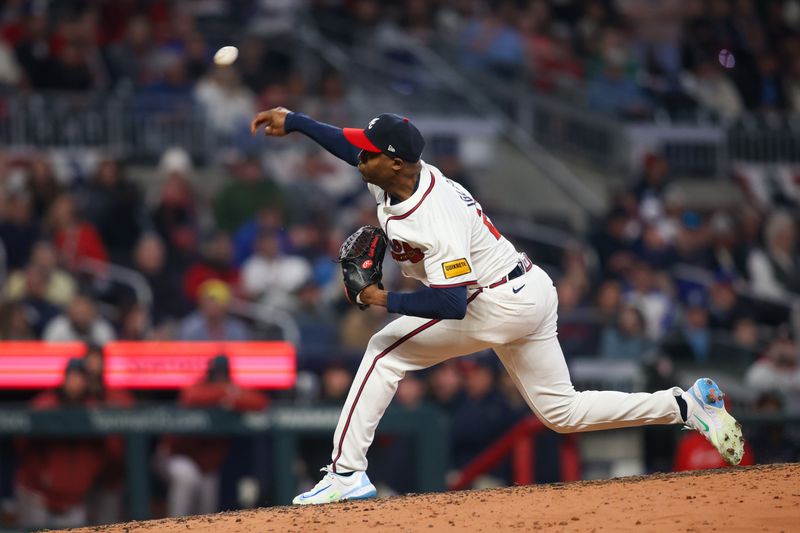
{"x": 706, "y": 413}
{"x": 335, "y": 487}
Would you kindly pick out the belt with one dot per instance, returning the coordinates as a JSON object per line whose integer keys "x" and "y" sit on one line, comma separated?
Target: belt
{"x": 524, "y": 265}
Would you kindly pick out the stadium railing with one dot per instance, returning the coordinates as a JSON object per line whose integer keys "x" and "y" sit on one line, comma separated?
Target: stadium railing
{"x": 128, "y": 277}
{"x": 285, "y": 426}
{"x": 268, "y": 315}
{"x": 129, "y": 125}
{"x": 519, "y": 443}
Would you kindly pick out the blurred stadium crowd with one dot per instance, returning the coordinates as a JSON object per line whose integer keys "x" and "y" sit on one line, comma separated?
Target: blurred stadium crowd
{"x": 655, "y": 283}
{"x": 622, "y": 57}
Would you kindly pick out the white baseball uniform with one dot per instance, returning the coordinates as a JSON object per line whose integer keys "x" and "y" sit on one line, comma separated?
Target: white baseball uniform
{"x": 441, "y": 237}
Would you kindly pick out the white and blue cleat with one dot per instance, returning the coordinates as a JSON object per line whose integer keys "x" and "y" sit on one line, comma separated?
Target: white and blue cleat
{"x": 335, "y": 487}
{"x": 706, "y": 413}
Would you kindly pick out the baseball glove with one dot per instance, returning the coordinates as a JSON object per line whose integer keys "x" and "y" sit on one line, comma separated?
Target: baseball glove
{"x": 361, "y": 256}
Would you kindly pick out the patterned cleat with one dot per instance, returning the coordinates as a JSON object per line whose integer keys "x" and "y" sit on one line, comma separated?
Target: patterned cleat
{"x": 706, "y": 413}
{"x": 334, "y": 487}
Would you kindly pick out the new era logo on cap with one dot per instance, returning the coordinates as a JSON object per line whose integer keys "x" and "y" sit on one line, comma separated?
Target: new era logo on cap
{"x": 388, "y": 133}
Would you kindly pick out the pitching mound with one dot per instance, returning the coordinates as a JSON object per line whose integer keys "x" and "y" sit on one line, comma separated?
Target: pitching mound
{"x": 761, "y": 498}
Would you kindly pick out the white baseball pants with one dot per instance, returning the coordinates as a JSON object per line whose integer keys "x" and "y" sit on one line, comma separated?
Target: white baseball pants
{"x": 191, "y": 491}
{"x": 32, "y": 512}
{"x": 521, "y": 328}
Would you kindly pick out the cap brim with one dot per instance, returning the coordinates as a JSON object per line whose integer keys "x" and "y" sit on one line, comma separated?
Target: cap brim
{"x": 358, "y": 138}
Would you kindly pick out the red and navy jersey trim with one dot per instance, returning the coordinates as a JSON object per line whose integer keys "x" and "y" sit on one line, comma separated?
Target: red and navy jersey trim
{"x": 407, "y": 213}
{"x": 460, "y": 284}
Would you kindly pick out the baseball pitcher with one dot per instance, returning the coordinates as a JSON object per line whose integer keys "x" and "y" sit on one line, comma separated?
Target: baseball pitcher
{"x": 479, "y": 293}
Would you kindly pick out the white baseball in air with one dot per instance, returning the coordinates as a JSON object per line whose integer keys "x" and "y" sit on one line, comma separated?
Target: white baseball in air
{"x": 226, "y": 55}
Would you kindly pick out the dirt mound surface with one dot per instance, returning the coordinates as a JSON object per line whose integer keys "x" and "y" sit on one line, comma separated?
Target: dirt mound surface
{"x": 760, "y": 498}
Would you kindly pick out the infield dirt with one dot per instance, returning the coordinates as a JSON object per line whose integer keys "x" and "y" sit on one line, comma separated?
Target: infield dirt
{"x": 760, "y": 498}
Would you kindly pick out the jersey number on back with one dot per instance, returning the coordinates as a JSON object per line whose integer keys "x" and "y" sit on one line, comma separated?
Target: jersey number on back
{"x": 489, "y": 225}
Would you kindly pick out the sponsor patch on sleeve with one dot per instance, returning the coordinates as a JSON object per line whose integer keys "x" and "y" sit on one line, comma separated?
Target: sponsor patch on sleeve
{"x": 453, "y": 269}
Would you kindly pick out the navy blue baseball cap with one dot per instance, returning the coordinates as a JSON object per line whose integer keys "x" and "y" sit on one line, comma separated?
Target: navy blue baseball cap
{"x": 390, "y": 134}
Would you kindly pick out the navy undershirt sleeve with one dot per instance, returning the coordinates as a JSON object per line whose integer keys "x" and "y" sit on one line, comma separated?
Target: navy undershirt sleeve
{"x": 445, "y": 302}
{"x": 329, "y": 137}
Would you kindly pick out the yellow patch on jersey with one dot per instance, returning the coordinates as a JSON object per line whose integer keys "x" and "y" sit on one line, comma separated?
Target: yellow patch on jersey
{"x": 453, "y": 269}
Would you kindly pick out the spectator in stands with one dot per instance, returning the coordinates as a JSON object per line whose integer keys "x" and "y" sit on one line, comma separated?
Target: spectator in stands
{"x": 249, "y": 192}
{"x": 228, "y": 103}
{"x": 175, "y": 214}
{"x": 14, "y": 325}
{"x": 654, "y": 178}
{"x": 55, "y": 475}
{"x": 336, "y": 379}
{"x": 723, "y": 306}
{"x": 749, "y": 225}
{"x": 778, "y": 370}
{"x": 775, "y": 269}
{"x": 608, "y": 302}
{"x": 656, "y": 28}
{"x": 792, "y": 85}
{"x": 80, "y": 323}
{"x": 691, "y": 242}
{"x": 612, "y": 91}
{"x": 654, "y": 247}
{"x": 77, "y": 241}
{"x": 191, "y": 464}
{"x": 648, "y": 291}
{"x": 482, "y": 413}
{"x": 691, "y": 340}
{"x": 261, "y": 65}
{"x": 114, "y": 205}
{"x": 38, "y": 310}
{"x": 765, "y": 92}
{"x": 577, "y": 334}
{"x": 627, "y": 339}
{"x": 133, "y": 61}
{"x": 713, "y": 90}
{"x": 60, "y": 285}
{"x": 10, "y": 71}
{"x": 445, "y": 385}
{"x": 317, "y": 322}
{"x": 42, "y": 184}
{"x": 550, "y": 50}
{"x": 134, "y": 323}
{"x": 269, "y": 219}
{"x": 150, "y": 259}
{"x": 105, "y": 500}
{"x": 34, "y": 49}
{"x": 18, "y": 230}
{"x": 216, "y": 263}
{"x": 746, "y": 342}
{"x": 356, "y": 327}
{"x": 493, "y": 44}
{"x": 211, "y": 321}
{"x": 271, "y": 275}
{"x": 171, "y": 91}
{"x": 613, "y": 243}
{"x": 198, "y": 56}
{"x": 71, "y": 69}
{"x": 723, "y": 246}
{"x": 771, "y": 442}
